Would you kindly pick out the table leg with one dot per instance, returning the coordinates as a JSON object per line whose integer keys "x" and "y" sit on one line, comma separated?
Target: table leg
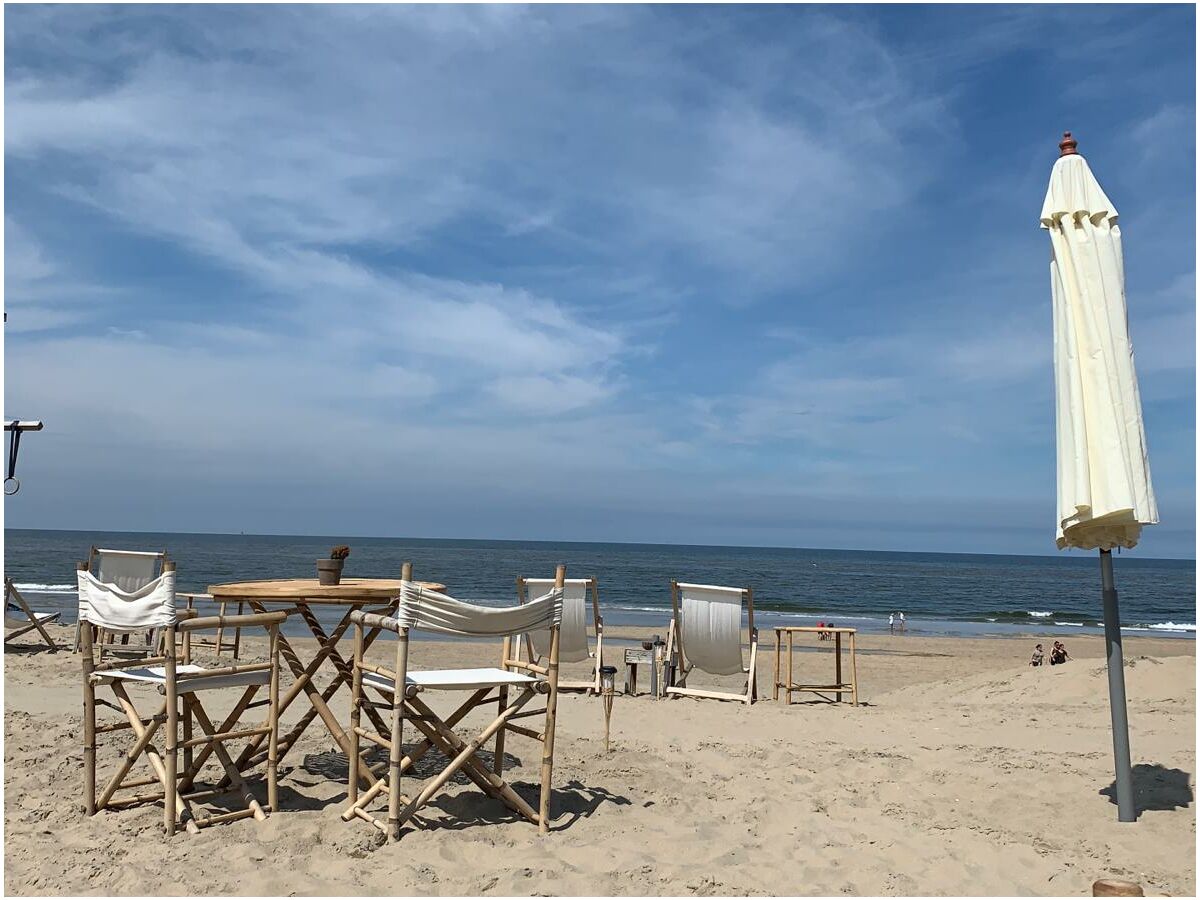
{"x": 303, "y": 684}
{"x": 853, "y": 673}
{"x": 345, "y": 670}
{"x": 790, "y": 681}
{"x": 776, "y": 692}
{"x": 837, "y": 655}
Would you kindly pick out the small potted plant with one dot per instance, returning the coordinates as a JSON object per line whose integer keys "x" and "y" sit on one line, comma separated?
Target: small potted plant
{"x": 329, "y": 571}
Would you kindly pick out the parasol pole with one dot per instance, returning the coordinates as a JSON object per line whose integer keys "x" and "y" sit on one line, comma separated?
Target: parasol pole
{"x": 1116, "y": 691}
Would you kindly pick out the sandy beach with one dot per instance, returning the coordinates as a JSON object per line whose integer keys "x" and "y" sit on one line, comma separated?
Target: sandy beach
{"x": 964, "y": 771}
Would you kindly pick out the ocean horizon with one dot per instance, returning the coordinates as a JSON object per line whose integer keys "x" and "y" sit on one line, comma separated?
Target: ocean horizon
{"x": 939, "y": 593}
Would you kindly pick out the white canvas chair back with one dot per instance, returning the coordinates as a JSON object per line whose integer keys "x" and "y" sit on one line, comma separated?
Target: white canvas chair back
{"x": 127, "y": 569}
{"x": 421, "y": 609}
{"x": 572, "y": 635}
{"x": 710, "y": 624}
{"x": 151, "y": 605}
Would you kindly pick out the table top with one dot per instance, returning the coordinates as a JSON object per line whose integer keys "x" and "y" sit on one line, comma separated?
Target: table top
{"x": 816, "y": 628}
{"x": 351, "y": 590}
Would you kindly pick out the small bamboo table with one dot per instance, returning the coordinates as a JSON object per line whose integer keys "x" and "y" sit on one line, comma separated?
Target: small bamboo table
{"x": 839, "y": 687}
{"x": 300, "y": 595}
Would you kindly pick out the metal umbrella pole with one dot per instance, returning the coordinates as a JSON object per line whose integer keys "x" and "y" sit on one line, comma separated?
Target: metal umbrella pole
{"x": 1116, "y": 691}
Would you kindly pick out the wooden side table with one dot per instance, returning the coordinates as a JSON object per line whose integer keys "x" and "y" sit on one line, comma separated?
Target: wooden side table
{"x": 839, "y": 686}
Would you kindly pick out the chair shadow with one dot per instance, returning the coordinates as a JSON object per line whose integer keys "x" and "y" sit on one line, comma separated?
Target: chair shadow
{"x": 1155, "y": 788}
{"x": 574, "y": 800}
{"x": 332, "y": 764}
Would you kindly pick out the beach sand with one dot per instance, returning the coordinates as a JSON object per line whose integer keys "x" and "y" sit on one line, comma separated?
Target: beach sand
{"x": 963, "y": 772}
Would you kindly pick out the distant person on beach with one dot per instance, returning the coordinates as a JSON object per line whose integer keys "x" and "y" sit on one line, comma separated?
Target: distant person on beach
{"x": 821, "y": 634}
{"x": 1058, "y": 654}
{"x": 1038, "y": 656}
{"x": 903, "y": 627}
{"x": 892, "y": 622}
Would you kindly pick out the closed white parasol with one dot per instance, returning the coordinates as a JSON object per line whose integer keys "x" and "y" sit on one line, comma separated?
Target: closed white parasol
{"x": 1104, "y": 490}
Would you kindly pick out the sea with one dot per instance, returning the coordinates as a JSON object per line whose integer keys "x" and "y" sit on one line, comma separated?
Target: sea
{"x": 939, "y": 593}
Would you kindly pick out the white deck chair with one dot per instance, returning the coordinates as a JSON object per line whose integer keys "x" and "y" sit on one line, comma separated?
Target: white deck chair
{"x": 707, "y": 631}
{"x": 127, "y": 570}
{"x": 425, "y": 610}
{"x": 152, "y": 606}
{"x": 19, "y": 619}
{"x": 573, "y": 638}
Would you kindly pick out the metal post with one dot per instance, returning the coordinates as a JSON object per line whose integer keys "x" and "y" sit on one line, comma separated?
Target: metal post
{"x": 1116, "y": 691}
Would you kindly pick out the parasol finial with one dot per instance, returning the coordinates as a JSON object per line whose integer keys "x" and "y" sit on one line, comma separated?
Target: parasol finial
{"x": 1067, "y": 145}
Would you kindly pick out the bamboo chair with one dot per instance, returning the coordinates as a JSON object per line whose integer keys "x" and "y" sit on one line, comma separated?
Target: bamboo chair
{"x": 420, "y": 609}
{"x": 180, "y": 683}
{"x": 127, "y": 570}
{"x": 573, "y": 639}
{"x": 19, "y": 619}
{"x": 707, "y": 630}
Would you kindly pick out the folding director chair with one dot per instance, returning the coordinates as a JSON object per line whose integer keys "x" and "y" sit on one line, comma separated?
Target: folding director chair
{"x": 19, "y": 619}
{"x": 152, "y": 607}
{"x": 425, "y": 610}
{"x": 707, "y": 630}
{"x": 573, "y": 637}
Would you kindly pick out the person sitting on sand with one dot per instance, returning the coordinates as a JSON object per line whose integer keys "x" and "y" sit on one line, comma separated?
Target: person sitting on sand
{"x": 1058, "y": 654}
{"x": 1038, "y": 656}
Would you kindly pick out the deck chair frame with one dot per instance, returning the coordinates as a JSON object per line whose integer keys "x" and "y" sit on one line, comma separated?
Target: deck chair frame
{"x": 36, "y": 620}
{"x": 176, "y": 717}
{"x": 100, "y": 638}
{"x": 439, "y": 733}
{"x": 676, "y": 642}
{"x": 592, "y": 685}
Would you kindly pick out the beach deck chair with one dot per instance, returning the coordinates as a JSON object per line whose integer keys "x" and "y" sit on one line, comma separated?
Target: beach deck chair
{"x": 707, "y": 633}
{"x": 573, "y": 638}
{"x": 179, "y": 683}
{"x": 127, "y": 570}
{"x": 19, "y": 619}
{"x": 424, "y": 610}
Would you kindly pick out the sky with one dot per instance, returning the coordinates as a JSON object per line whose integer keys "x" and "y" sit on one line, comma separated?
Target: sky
{"x": 719, "y": 275}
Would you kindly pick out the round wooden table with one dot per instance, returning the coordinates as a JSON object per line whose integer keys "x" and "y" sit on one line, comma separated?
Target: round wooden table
{"x": 349, "y": 591}
{"x": 300, "y": 595}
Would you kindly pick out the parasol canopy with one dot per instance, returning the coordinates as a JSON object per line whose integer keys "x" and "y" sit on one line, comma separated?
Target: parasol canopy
{"x": 1104, "y": 490}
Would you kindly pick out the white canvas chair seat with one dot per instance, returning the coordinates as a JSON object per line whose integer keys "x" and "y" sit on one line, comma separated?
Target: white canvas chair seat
{"x": 192, "y": 679}
{"x": 19, "y": 619}
{"x": 422, "y": 609}
{"x": 451, "y": 679}
{"x": 707, "y": 631}
{"x": 573, "y": 635}
{"x": 151, "y": 607}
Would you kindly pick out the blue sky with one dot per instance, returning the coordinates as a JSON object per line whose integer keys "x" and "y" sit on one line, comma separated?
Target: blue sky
{"x": 756, "y": 275}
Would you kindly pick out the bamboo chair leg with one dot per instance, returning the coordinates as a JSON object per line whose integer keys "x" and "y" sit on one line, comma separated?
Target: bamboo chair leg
{"x": 156, "y": 762}
{"x": 235, "y": 779}
{"x": 498, "y": 757}
{"x": 134, "y": 754}
{"x": 188, "y": 753}
{"x": 89, "y": 729}
{"x": 273, "y": 712}
{"x": 171, "y": 751}
{"x": 356, "y": 693}
{"x": 469, "y": 749}
{"x": 551, "y": 714}
{"x": 397, "y": 731}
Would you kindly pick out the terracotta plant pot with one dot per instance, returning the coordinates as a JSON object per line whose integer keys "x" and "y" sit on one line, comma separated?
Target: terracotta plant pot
{"x": 329, "y": 571}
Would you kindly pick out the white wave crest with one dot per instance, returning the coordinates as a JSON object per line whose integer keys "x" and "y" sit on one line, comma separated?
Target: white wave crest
{"x": 1038, "y": 615}
{"x": 47, "y": 588}
{"x": 1172, "y": 626}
